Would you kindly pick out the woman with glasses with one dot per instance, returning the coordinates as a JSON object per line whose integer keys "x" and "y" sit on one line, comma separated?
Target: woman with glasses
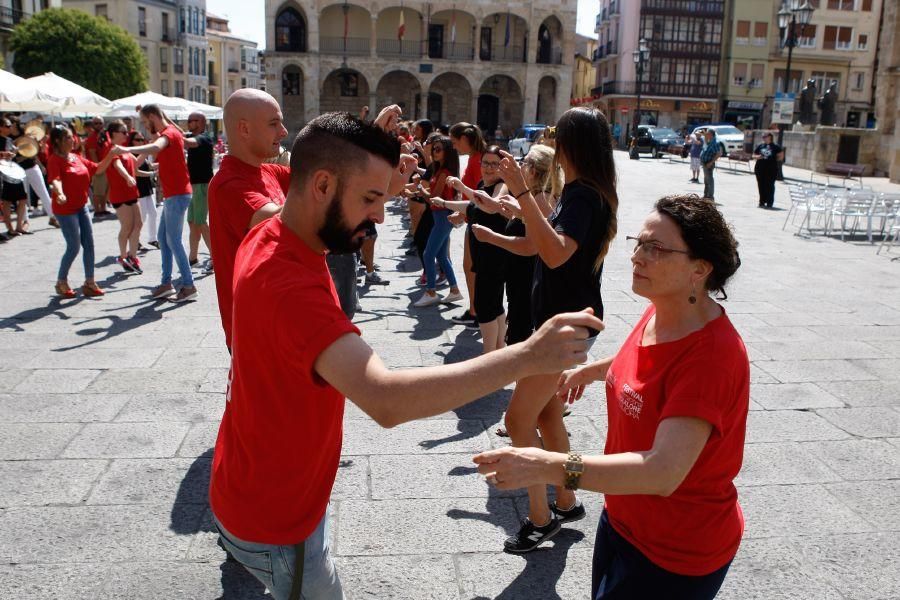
{"x": 570, "y": 246}
{"x": 677, "y": 396}
{"x": 146, "y": 194}
{"x": 445, "y": 163}
{"x": 489, "y": 262}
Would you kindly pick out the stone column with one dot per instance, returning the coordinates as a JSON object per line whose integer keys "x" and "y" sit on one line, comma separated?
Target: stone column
{"x": 476, "y": 43}
{"x": 373, "y": 49}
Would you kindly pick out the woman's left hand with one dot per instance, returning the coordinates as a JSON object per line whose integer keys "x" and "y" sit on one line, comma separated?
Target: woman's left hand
{"x": 513, "y": 468}
{"x": 509, "y": 207}
{"x": 456, "y": 219}
{"x": 511, "y": 173}
{"x": 485, "y": 202}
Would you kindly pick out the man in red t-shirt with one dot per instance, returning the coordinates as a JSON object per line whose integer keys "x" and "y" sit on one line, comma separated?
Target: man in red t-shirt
{"x": 296, "y": 356}
{"x": 245, "y": 191}
{"x": 94, "y": 152}
{"x": 168, "y": 149}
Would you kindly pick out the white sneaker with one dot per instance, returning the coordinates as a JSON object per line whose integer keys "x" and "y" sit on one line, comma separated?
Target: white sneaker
{"x": 451, "y": 298}
{"x": 428, "y": 300}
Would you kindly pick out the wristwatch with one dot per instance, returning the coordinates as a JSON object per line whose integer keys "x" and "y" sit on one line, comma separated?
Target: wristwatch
{"x": 574, "y": 468}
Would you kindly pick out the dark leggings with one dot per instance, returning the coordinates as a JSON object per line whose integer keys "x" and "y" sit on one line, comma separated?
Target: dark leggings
{"x": 622, "y": 572}
{"x": 423, "y": 230}
{"x": 765, "y": 180}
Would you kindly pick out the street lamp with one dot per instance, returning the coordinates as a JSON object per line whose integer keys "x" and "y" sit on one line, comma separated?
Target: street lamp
{"x": 792, "y": 13}
{"x": 641, "y": 56}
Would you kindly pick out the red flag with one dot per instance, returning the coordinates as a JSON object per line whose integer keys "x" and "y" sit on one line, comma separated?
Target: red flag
{"x": 401, "y": 29}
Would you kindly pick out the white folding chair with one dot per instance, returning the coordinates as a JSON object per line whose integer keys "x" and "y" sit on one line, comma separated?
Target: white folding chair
{"x": 856, "y": 205}
{"x": 818, "y": 203}
{"x": 891, "y": 223}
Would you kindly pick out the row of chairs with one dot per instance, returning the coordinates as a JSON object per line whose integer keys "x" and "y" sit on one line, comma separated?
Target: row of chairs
{"x": 830, "y": 209}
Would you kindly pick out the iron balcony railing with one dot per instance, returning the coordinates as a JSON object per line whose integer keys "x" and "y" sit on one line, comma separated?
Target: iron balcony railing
{"x": 659, "y": 88}
{"x": 350, "y": 46}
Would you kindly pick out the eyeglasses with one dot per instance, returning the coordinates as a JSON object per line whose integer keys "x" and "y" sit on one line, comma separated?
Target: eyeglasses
{"x": 437, "y": 149}
{"x": 651, "y": 249}
{"x": 490, "y": 164}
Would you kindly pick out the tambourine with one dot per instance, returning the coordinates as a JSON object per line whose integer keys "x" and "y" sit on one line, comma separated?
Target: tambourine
{"x": 36, "y": 132}
{"x": 27, "y": 146}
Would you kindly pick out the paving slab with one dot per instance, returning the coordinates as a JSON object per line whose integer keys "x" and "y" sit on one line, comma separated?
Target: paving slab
{"x": 782, "y": 464}
{"x": 127, "y": 440}
{"x": 153, "y": 481}
{"x": 870, "y": 422}
{"x": 173, "y": 407}
{"x": 864, "y": 393}
{"x": 60, "y": 408}
{"x": 45, "y": 482}
{"x": 859, "y": 460}
{"x": 786, "y": 396}
{"x": 430, "y": 577}
{"x": 790, "y": 426}
{"x": 435, "y": 436}
{"x": 23, "y": 441}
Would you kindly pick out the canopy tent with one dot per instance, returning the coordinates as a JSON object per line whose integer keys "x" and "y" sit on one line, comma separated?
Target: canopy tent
{"x": 176, "y": 108}
{"x": 20, "y": 95}
{"x": 76, "y": 100}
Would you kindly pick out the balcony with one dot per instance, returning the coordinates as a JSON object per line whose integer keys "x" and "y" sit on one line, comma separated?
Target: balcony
{"x": 505, "y": 54}
{"x": 678, "y": 49}
{"x": 702, "y": 8}
{"x": 168, "y": 35}
{"x": 612, "y": 47}
{"x": 178, "y": 68}
{"x": 597, "y": 54}
{"x": 233, "y": 67}
{"x": 212, "y": 79}
{"x": 10, "y": 17}
{"x": 400, "y": 48}
{"x": 344, "y": 46}
{"x": 598, "y": 21}
{"x": 613, "y": 9}
{"x": 549, "y": 56}
{"x": 658, "y": 88}
{"x": 454, "y": 51}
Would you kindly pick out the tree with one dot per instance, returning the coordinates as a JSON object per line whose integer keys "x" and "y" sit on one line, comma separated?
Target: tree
{"x": 87, "y": 50}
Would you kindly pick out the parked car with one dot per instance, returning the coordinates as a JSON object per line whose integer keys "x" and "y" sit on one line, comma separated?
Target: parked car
{"x": 656, "y": 140}
{"x": 522, "y": 140}
{"x": 729, "y": 135}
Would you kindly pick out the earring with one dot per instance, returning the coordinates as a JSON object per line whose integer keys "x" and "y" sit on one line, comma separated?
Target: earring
{"x": 693, "y": 297}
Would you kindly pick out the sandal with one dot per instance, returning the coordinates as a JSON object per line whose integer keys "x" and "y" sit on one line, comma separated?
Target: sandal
{"x": 64, "y": 291}
{"x": 91, "y": 291}
{"x": 24, "y": 232}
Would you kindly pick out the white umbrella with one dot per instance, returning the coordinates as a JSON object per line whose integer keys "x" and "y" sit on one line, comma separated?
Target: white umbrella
{"x": 207, "y": 110}
{"x": 19, "y": 95}
{"x": 77, "y": 100}
{"x": 176, "y": 108}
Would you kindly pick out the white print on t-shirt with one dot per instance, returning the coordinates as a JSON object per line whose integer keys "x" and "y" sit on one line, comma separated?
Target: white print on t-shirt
{"x": 630, "y": 402}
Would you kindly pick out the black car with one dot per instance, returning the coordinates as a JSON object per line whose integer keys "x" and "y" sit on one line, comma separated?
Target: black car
{"x": 656, "y": 140}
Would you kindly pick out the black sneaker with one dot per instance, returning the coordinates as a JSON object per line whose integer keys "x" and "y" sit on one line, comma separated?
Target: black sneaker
{"x": 530, "y": 537}
{"x": 464, "y": 318}
{"x": 576, "y": 513}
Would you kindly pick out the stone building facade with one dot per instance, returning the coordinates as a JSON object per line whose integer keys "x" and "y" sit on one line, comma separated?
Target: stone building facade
{"x": 887, "y": 88}
{"x": 471, "y": 61}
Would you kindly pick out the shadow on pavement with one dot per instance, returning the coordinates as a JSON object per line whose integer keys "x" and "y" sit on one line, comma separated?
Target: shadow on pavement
{"x": 148, "y": 311}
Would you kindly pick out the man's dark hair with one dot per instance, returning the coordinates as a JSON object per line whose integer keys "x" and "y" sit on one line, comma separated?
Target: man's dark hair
{"x": 336, "y": 142}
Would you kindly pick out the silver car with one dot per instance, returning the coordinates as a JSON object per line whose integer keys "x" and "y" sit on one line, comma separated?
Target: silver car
{"x": 521, "y": 142}
{"x": 729, "y": 135}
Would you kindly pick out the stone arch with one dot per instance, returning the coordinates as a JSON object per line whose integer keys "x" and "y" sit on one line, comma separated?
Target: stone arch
{"x": 293, "y": 88}
{"x": 331, "y": 30}
{"x": 549, "y": 41}
{"x": 504, "y": 38}
{"x": 291, "y": 29}
{"x": 546, "y": 100}
{"x": 449, "y": 99}
{"x": 500, "y": 102}
{"x": 344, "y": 90}
{"x": 399, "y": 87}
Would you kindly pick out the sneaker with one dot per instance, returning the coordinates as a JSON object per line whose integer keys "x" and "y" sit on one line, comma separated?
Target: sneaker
{"x": 463, "y": 318}
{"x": 374, "y": 278}
{"x": 162, "y": 291}
{"x": 208, "y": 269}
{"x": 441, "y": 280}
{"x": 135, "y": 264}
{"x": 428, "y": 300}
{"x": 411, "y": 252}
{"x": 576, "y": 513}
{"x": 126, "y": 265}
{"x": 186, "y": 294}
{"x": 531, "y": 536}
{"x": 452, "y": 297}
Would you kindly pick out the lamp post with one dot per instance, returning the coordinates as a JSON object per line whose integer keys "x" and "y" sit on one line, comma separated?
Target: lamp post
{"x": 792, "y": 13}
{"x": 641, "y": 55}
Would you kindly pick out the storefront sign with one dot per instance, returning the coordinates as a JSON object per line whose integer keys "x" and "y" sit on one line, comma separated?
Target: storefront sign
{"x": 783, "y": 109}
{"x": 699, "y": 107}
{"x": 737, "y": 105}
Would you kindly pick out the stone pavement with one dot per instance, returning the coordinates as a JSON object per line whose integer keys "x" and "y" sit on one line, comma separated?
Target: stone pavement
{"x": 109, "y": 409}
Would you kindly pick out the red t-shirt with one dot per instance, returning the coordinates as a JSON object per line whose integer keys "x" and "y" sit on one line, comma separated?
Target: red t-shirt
{"x": 75, "y": 172}
{"x": 119, "y": 190}
{"x": 173, "y": 171}
{"x": 473, "y": 171}
{"x": 279, "y": 442}
{"x": 448, "y": 192}
{"x": 706, "y": 375}
{"x": 92, "y": 142}
{"x": 236, "y": 192}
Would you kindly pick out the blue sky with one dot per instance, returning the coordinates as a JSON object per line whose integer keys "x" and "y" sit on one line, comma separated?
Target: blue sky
{"x": 248, "y": 19}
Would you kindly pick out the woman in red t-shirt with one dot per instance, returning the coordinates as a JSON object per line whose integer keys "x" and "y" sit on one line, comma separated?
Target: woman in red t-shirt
{"x": 70, "y": 176}
{"x": 123, "y": 195}
{"x": 677, "y": 395}
{"x": 468, "y": 141}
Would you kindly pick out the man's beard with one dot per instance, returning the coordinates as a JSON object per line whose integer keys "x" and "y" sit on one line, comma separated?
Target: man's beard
{"x": 335, "y": 233}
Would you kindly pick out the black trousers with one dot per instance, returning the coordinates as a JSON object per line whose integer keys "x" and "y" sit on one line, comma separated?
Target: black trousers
{"x": 765, "y": 180}
{"x": 423, "y": 230}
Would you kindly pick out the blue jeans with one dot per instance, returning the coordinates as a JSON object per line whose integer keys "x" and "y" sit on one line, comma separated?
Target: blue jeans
{"x": 438, "y": 248}
{"x": 171, "y": 226}
{"x": 274, "y": 565}
{"x": 77, "y": 231}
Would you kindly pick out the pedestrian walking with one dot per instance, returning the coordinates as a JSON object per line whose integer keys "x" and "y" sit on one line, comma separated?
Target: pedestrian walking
{"x": 694, "y": 151}
{"x": 200, "y": 157}
{"x": 712, "y": 150}
{"x": 677, "y": 398}
{"x": 768, "y": 155}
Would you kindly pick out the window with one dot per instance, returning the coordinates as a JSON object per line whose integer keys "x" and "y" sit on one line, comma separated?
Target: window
{"x": 742, "y": 33}
{"x": 841, "y": 4}
{"x": 203, "y": 23}
{"x": 142, "y": 21}
{"x": 165, "y": 27}
{"x": 178, "y": 60}
{"x": 795, "y": 83}
{"x": 195, "y": 13}
{"x": 838, "y": 38}
{"x": 290, "y": 31}
{"x": 164, "y": 87}
{"x": 179, "y": 89}
{"x": 824, "y": 80}
{"x": 859, "y": 79}
{"x": 757, "y": 74}
{"x": 867, "y": 5}
{"x": 806, "y": 37}
{"x": 100, "y": 11}
{"x": 196, "y": 61}
{"x": 181, "y": 22}
{"x": 739, "y": 74}
{"x": 163, "y": 59}
{"x": 863, "y": 42}
{"x": 760, "y": 33}
{"x": 203, "y": 61}
{"x": 190, "y": 61}
{"x": 191, "y": 94}
{"x": 243, "y": 82}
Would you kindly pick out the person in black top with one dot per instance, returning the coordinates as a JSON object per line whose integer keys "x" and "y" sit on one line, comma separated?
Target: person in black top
{"x": 768, "y": 155}
{"x": 570, "y": 248}
{"x": 489, "y": 262}
{"x": 12, "y": 194}
{"x": 200, "y": 156}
